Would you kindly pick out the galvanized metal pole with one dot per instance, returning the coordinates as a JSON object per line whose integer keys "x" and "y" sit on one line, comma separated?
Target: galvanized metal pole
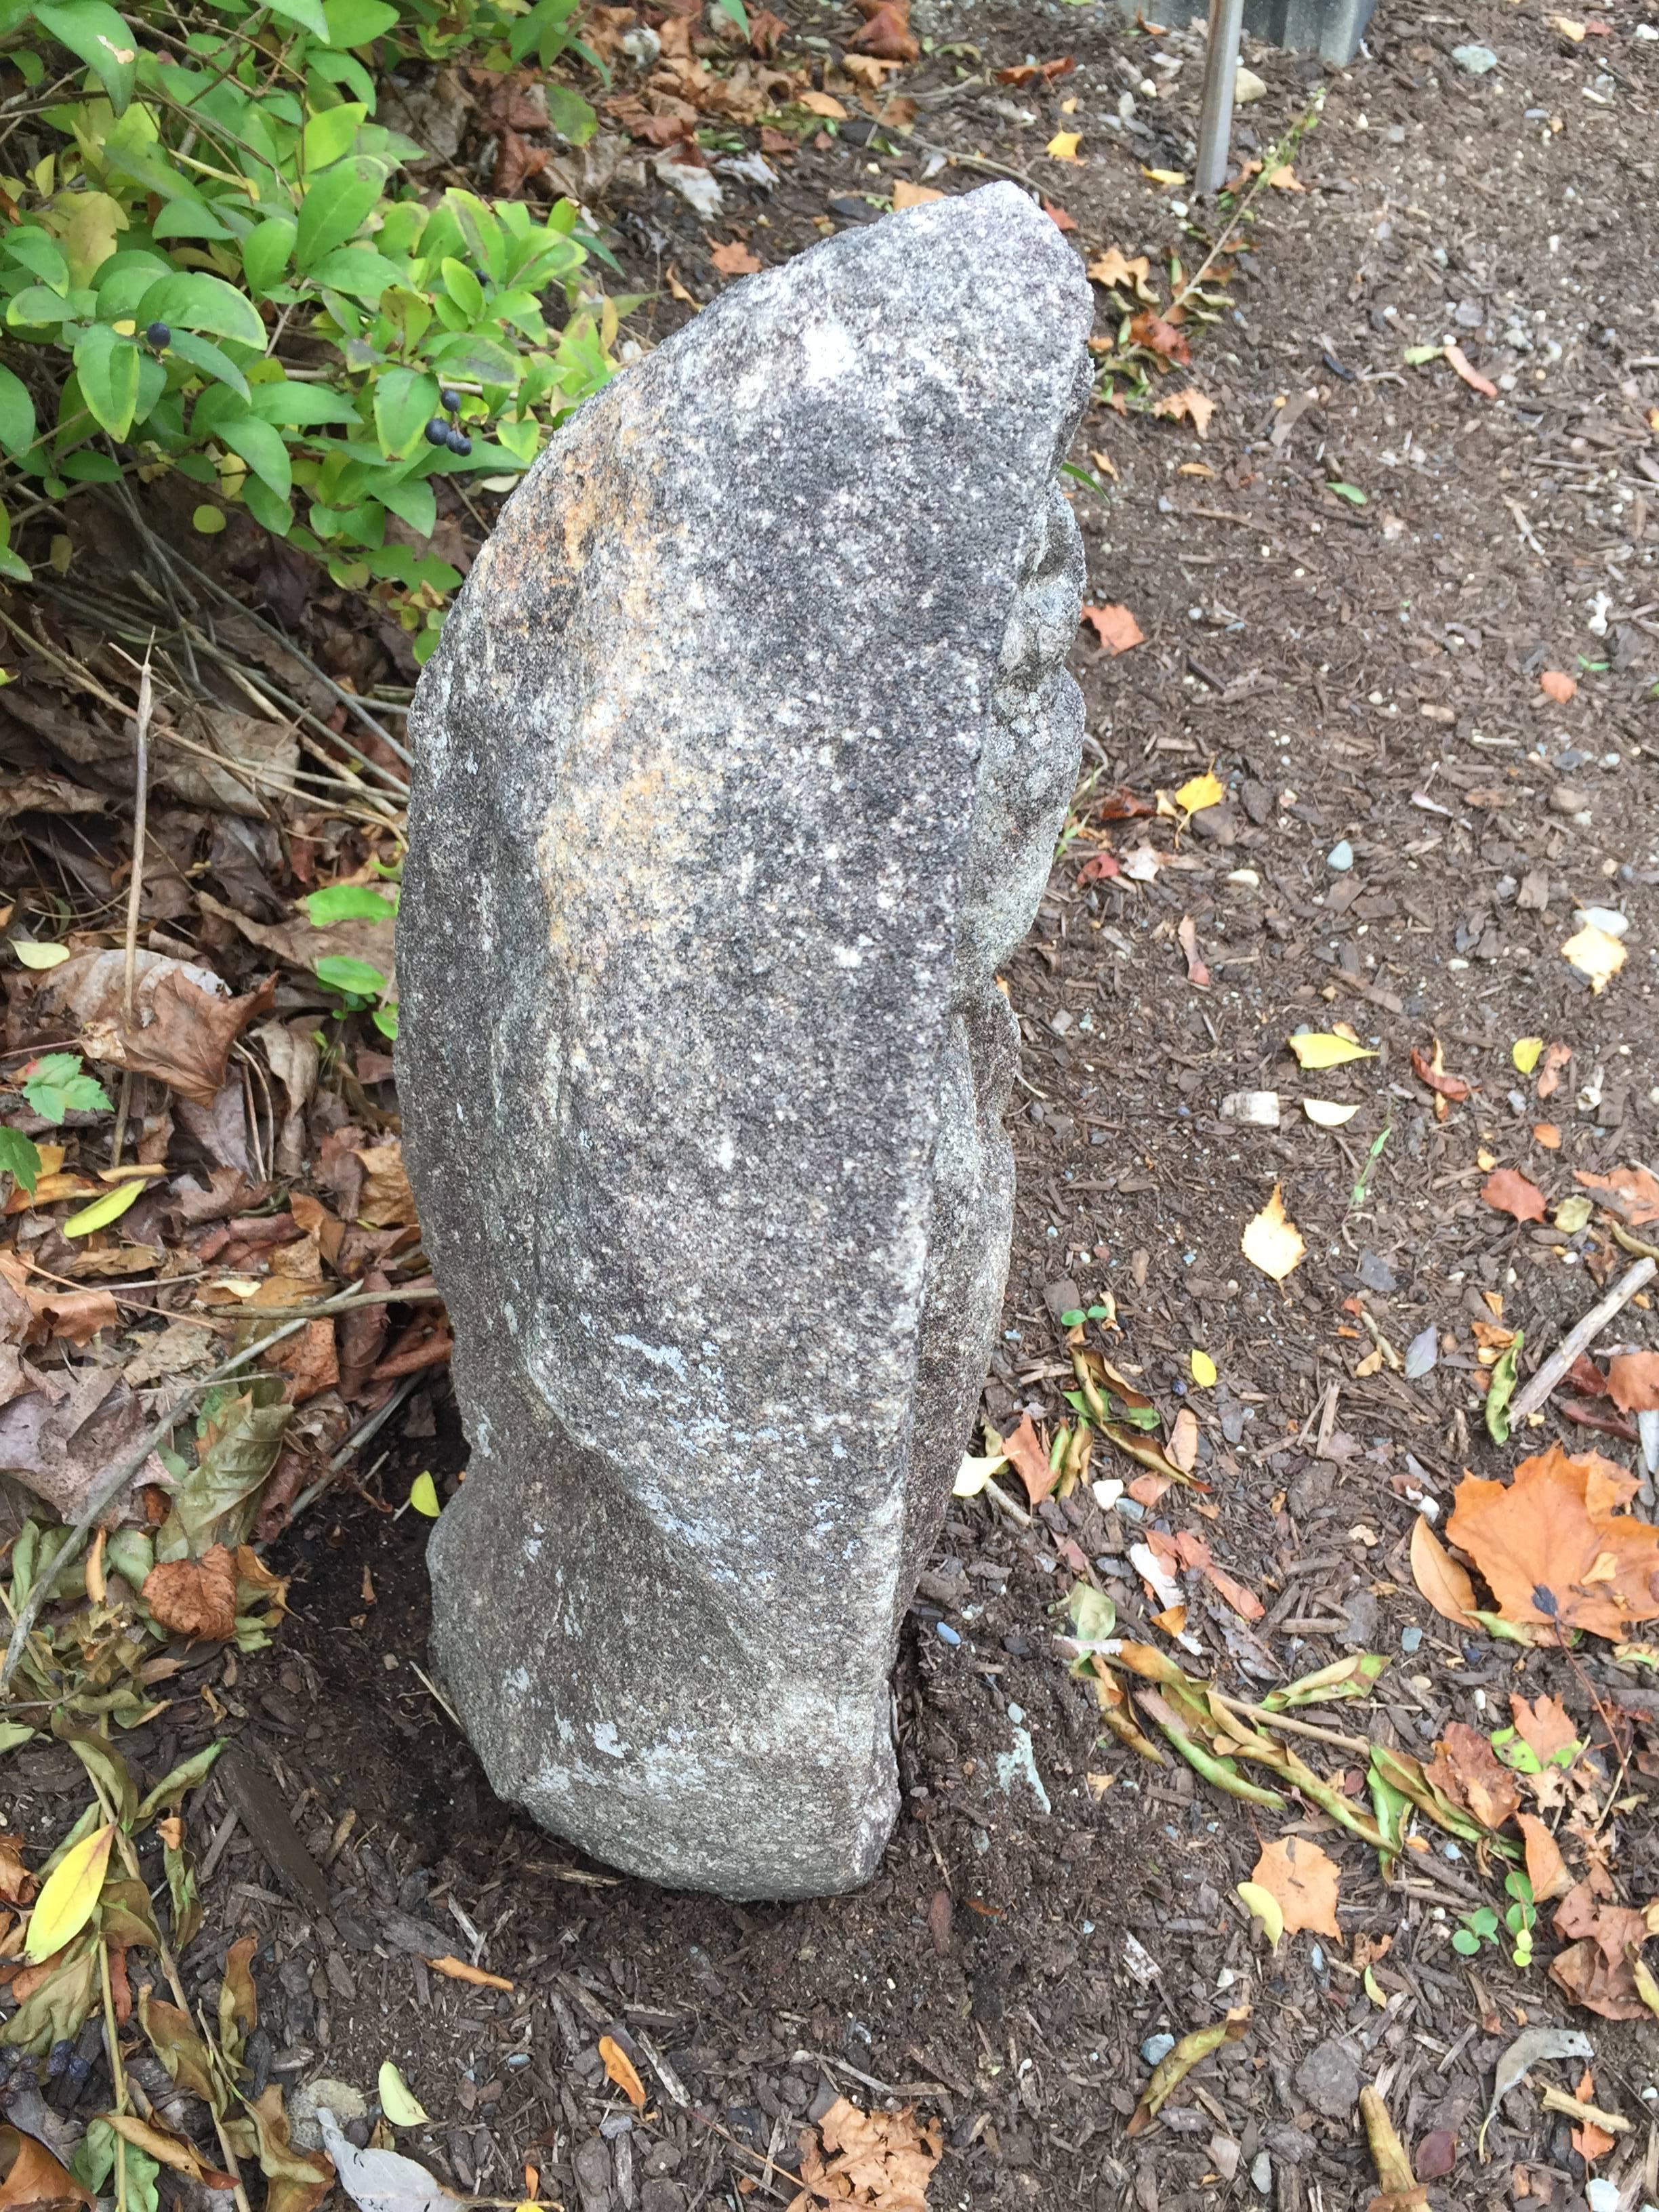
{"x": 1215, "y": 124}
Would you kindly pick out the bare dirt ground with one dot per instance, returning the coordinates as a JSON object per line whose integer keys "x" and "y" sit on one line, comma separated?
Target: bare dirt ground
{"x": 1348, "y": 590}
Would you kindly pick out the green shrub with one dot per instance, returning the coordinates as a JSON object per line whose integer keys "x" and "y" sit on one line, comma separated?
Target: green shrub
{"x": 220, "y": 268}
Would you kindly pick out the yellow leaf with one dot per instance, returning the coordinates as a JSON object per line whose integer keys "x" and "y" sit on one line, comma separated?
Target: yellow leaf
{"x": 423, "y": 1496}
{"x": 398, "y": 2101}
{"x": 621, "y": 2069}
{"x": 85, "y": 224}
{"x": 821, "y": 103}
{"x": 1166, "y": 176}
{"x": 1063, "y": 146}
{"x": 1203, "y": 1368}
{"x": 66, "y": 1903}
{"x": 1114, "y": 269}
{"x": 40, "y": 956}
{"x": 1369, "y": 1982}
{"x": 1593, "y": 953}
{"x": 1568, "y": 28}
{"x": 907, "y": 195}
{"x": 1271, "y": 1242}
{"x": 102, "y": 1211}
{"x": 1261, "y": 1904}
{"x": 1524, "y": 1052}
{"x": 1202, "y": 791}
{"x": 1318, "y": 1048}
{"x": 974, "y": 1473}
{"x": 1326, "y": 1113}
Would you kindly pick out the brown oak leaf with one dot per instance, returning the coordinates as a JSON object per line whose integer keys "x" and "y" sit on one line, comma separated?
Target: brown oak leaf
{"x": 1556, "y": 1548}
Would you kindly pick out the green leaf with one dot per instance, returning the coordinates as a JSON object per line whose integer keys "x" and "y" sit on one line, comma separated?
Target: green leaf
{"x": 335, "y": 206}
{"x": 266, "y": 251}
{"x": 462, "y": 287}
{"x": 354, "y": 22}
{"x": 171, "y": 1790}
{"x": 36, "y": 307}
{"x": 59, "y": 2008}
{"x": 17, "y": 430}
{"x": 342, "y": 973}
{"x": 195, "y": 301}
{"x": 413, "y": 502}
{"x": 57, "y": 1083}
{"x": 385, "y": 1019}
{"x": 202, "y": 353}
{"x": 13, "y": 1733}
{"x": 308, "y": 14}
{"x": 270, "y": 513}
{"x": 330, "y": 134}
{"x": 423, "y": 1496}
{"x": 239, "y": 1436}
{"x": 1501, "y": 1389}
{"x": 1416, "y": 356}
{"x": 102, "y": 1211}
{"x": 347, "y": 903}
{"x": 358, "y": 270}
{"x": 403, "y": 403}
{"x": 32, "y": 249}
{"x": 262, "y": 448}
{"x": 107, "y": 366}
{"x": 737, "y": 11}
{"x": 96, "y": 35}
{"x": 304, "y": 404}
{"x": 569, "y": 114}
{"x": 19, "y": 1159}
{"x": 1352, "y": 493}
{"x": 1464, "y": 1944}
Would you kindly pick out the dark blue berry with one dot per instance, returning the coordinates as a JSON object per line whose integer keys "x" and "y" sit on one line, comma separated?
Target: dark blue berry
{"x": 159, "y": 335}
{"x": 458, "y": 442}
{"x": 451, "y": 400}
{"x": 437, "y": 431}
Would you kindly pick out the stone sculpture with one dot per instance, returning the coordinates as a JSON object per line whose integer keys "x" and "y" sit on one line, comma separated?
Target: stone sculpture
{"x": 740, "y": 767}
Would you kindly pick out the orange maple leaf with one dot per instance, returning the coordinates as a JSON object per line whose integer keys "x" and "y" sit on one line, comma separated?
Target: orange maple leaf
{"x": 1555, "y": 1547}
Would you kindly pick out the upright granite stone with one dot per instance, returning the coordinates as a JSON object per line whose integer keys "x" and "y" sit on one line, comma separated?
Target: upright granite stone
{"x": 740, "y": 768}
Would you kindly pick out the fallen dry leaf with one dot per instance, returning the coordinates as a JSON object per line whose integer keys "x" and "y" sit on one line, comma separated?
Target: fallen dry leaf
{"x": 1543, "y": 1724}
{"x": 1117, "y": 273}
{"x": 735, "y": 259}
{"x": 1595, "y": 954}
{"x": 1633, "y": 1382}
{"x": 1438, "y": 1577}
{"x": 1191, "y": 405}
{"x": 907, "y": 195}
{"x": 1302, "y": 1881}
{"x": 1159, "y": 337}
{"x": 184, "y": 1019}
{"x": 1031, "y": 1461}
{"x": 1028, "y": 72}
{"x": 1063, "y": 146}
{"x": 1468, "y": 1770}
{"x": 886, "y": 31}
{"x": 1557, "y": 685}
{"x": 457, "y": 1970}
{"x": 1284, "y": 179}
{"x": 1556, "y": 1057}
{"x": 1187, "y": 937}
{"x": 1431, "y": 1072}
{"x": 881, "y": 2159}
{"x": 821, "y": 103}
{"x": 1271, "y": 1242}
{"x": 1508, "y": 1191}
{"x": 1546, "y": 1870}
{"x": 1115, "y": 627}
{"x": 197, "y": 1597}
{"x": 1631, "y": 1193}
{"x": 1554, "y": 1547}
{"x": 1193, "y": 1551}
{"x": 1595, "y": 1970}
{"x": 623, "y": 2071}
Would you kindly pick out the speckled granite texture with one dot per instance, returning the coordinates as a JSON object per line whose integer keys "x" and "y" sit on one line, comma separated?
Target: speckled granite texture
{"x": 740, "y": 767}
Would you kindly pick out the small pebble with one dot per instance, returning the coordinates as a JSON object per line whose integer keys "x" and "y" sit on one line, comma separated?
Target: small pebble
{"x": 1340, "y": 857}
{"x": 946, "y": 1633}
{"x": 1156, "y": 2048}
{"x": 1566, "y": 798}
{"x": 1410, "y": 1639}
{"x": 1475, "y": 61}
{"x": 1261, "y": 2172}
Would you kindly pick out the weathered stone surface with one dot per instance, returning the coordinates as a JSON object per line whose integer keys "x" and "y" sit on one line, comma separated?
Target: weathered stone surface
{"x": 740, "y": 767}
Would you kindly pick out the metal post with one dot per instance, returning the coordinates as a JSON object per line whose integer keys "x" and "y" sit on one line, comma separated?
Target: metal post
{"x": 1215, "y": 124}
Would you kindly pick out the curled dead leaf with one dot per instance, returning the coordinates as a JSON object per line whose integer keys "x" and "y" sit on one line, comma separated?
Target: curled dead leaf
{"x": 1555, "y": 1547}
{"x": 1115, "y": 627}
{"x": 197, "y": 1597}
{"x": 878, "y": 2159}
{"x": 1438, "y": 1577}
{"x": 1508, "y": 1191}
